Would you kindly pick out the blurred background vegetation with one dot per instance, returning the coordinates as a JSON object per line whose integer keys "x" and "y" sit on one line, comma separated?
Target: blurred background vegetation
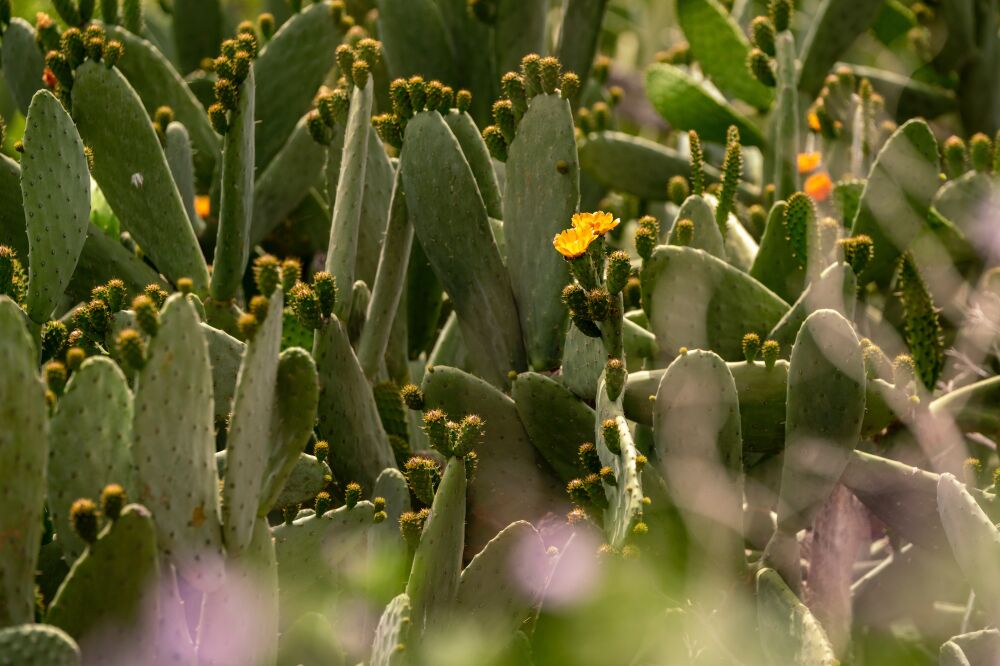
{"x": 635, "y": 33}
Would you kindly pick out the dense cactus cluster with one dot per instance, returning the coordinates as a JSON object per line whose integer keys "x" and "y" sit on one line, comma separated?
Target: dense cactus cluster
{"x": 410, "y": 332}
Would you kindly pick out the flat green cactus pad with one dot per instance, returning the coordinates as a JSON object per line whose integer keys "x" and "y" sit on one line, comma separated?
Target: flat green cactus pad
{"x": 296, "y": 396}
{"x": 232, "y": 248}
{"x": 824, "y": 412}
{"x": 698, "y": 301}
{"x": 348, "y": 416}
{"x": 557, "y": 422}
{"x": 897, "y": 196}
{"x": 699, "y": 445}
{"x": 706, "y": 235}
{"x": 974, "y": 539}
{"x": 512, "y": 482}
{"x": 349, "y": 184}
{"x": 108, "y": 594}
{"x": 452, "y": 226}
{"x": 437, "y": 562}
{"x": 835, "y": 289}
{"x": 57, "y": 226}
{"x": 132, "y": 171}
{"x": 718, "y": 44}
{"x": 632, "y": 164}
{"x": 625, "y": 497}
{"x": 305, "y": 45}
{"x": 789, "y": 633}
{"x": 831, "y": 32}
{"x": 391, "y": 635}
{"x": 23, "y": 62}
{"x": 91, "y": 443}
{"x": 682, "y": 101}
{"x": 315, "y": 555}
{"x": 583, "y": 362}
{"x": 541, "y": 194}
{"x": 310, "y": 640}
{"x": 24, "y": 451}
{"x": 240, "y": 620}
{"x": 174, "y": 445}
{"x": 37, "y": 645}
{"x": 158, "y": 84}
{"x": 248, "y": 443}
{"x": 503, "y": 581}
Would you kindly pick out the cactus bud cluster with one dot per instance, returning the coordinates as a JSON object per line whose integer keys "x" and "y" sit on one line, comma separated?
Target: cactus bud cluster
{"x": 53, "y": 335}
{"x": 161, "y": 120}
{"x": 956, "y": 157}
{"x": 84, "y": 518}
{"x": 13, "y": 281}
{"x": 981, "y": 153}
{"x": 55, "y": 376}
{"x": 323, "y": 503}
{"x": 452, "y": 439}
{"x": 312, "y": 304}
{"x": 112, "y": 501}
{"x": 678, "y": 189}
{"x": 412, "y": 397}
{"x": 232, "y": 67}
{"x": 352, "y": 494}
{"x": 858, "y": 251}
{"x": 647, "y": 236}
{"x": 770, "y": 351}
{"x": 411, "y": 525}
{"x": 66, "y": 52}
{"x": 751, "y": 347}
{"x": 684, "y": 234}
{"x": 538, "y": 76}
{"x": 423, "y": 477}
{"x": 267, "y": 274}
{"x": 131, "y": 348}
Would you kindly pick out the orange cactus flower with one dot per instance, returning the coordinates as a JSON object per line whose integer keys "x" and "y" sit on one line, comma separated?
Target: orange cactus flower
{"x": 819, "y": 186}
{"x": 49, "y": 78}
{"x": 599, "y": 223}
{"x": 809, "y": 162}
{"x": 202, "y": 205}
{"x": 573, "y": 243}
{"x": 813, "y": 121}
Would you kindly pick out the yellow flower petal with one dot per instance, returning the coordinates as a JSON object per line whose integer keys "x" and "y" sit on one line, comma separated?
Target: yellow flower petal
{"x": 809, "y": 162}
{"x": 819, "y": 186}
{"x": 600, "y": 223}
{"x": 814, "y": 121}
{"x": 202, "y": 205}
{"x": 573, "y": 243}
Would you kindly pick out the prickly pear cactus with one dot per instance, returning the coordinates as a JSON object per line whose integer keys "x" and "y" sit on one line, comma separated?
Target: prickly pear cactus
{"x": 102, "y": 603}
{"x": 24, "y": 452}
{"x": 91, "y": 443}
{"x": 445, "y": 331}
{"x": 37, "y": 644}
{"x": 176, "y": 473}
{"x": 57, "y": 226}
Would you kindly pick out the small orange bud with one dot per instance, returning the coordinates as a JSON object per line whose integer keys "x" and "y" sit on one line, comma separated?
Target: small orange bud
{"x": 819, "y": 186}
{"x": 813, "y": 121}
{"x": 49, "y": 78}
{"x": 203, "y": 205}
